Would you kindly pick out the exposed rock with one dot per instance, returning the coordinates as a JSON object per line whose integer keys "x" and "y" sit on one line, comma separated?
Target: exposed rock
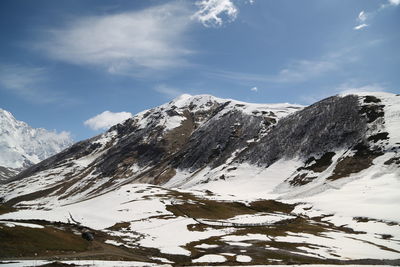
{"x": 327, "y": 125}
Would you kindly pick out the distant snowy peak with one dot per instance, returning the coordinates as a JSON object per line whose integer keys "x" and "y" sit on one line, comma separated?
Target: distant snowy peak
{"x": 22, "y": 146}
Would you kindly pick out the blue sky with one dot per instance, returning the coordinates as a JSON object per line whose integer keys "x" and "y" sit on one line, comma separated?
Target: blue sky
{"x": 65, "y": 62}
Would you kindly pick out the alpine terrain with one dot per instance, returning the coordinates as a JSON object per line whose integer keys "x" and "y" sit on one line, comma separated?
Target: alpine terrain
{"x": 208, "y": 181}
{"x": 22, "y": 146}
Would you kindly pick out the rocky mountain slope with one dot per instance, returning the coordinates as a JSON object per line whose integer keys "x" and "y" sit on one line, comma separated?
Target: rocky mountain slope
{"x": 199, "y": 139}
{"x": 190, "y": 133}
{"x": 316, "y": 184}
{"x": 22, "y": 146}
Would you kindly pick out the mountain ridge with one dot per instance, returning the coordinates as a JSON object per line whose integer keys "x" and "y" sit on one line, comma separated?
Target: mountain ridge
{"x": 204, "y": 176}
{"x": 191, "y": 134}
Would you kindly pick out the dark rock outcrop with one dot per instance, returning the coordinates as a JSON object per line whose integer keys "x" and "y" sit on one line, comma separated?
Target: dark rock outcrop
{"x": 327, "y": 125}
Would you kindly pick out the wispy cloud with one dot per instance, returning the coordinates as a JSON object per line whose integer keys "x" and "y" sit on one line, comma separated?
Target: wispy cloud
{"x": 360, "y": 26}
{"x": 168, "y": 91}
{"x": 107, "y": 119}
{"x": 124, "y": 43}
{"x": 254, "y": 89}
{"x": 20, "y": 78}
{"x": 347, "y": 88}
{"x": 296, "y": 71}
{"x": 363, "y": 16}
{"x": 27, "y": 82}
{"x": 343, "y": 89}
{"x": 303, "y": 70}
{"x": 214, "y": 13}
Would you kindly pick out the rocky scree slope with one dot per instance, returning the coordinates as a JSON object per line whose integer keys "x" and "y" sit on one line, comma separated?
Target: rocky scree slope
{"x": 22, "y": 146}
{"x": 197, "y": 140}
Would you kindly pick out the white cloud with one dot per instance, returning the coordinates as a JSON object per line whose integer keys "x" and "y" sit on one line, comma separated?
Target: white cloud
{"x": 213, "y": 13}
{"x": 124, "y": 43}
{"x": 107, "y": 119}
{"x": 254, "y": 89}
{"x": 394, "y": 2}
{"x": 361, "y": 26}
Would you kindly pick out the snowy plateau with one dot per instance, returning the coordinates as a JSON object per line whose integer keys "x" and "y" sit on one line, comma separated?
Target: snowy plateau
{"x": 203, "y": 181}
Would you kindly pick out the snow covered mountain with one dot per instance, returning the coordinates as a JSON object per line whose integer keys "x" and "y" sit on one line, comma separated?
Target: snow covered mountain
{"x": 189, "y": 133}
{"x": 22, "y": 146}
{"x": 196, "y": 141}
{"x": 202, "y": 178}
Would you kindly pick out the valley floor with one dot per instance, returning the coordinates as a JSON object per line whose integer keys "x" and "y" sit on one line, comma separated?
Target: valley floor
{"x": 148, "y": 225}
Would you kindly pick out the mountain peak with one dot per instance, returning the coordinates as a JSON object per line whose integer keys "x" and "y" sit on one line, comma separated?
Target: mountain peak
{"x": 186, "y": 100}
{"x": 21, "y": 145}
{"x": 6, "y": 115}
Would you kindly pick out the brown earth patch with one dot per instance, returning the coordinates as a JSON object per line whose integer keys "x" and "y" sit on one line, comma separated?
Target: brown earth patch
{"x": 361, "y": 160}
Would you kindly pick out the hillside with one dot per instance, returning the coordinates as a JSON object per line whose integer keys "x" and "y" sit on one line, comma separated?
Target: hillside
{"x": 208, "y": 180}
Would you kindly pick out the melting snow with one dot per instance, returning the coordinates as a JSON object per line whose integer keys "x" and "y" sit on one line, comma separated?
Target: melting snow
{"x": 13, "y": 224}
{"x": 243, "y": 258}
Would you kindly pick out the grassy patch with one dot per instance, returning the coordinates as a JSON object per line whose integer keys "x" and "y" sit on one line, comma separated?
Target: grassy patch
{"x": 270, "y": 205}
{"x": 25, "y": 241}
{"x": 299, "y": 225}
{"x": 119, "y": 226}
{"x": 201, "y": 208}
{"x": 6, "y": 209}
{"x": 211, "y": 209}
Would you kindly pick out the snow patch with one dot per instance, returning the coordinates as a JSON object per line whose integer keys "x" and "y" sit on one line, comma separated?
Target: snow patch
{"x": 210, "y": 258}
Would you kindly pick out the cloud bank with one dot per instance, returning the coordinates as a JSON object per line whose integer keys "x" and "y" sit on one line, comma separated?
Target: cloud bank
{"x": 107, "y": 119}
